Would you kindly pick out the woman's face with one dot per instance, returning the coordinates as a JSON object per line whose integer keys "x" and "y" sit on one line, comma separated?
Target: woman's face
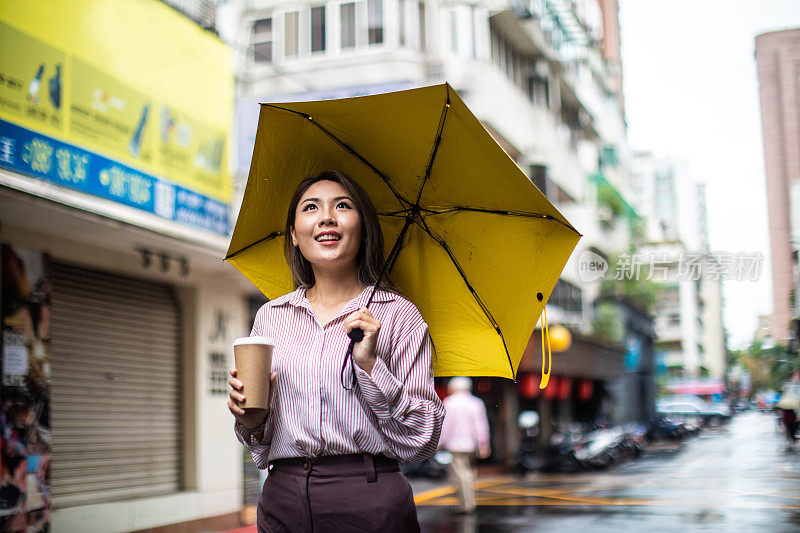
{"x": 327, "y": 227}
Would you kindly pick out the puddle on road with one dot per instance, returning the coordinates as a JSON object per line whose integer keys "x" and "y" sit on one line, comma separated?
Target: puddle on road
{"x": 704, "y": 516}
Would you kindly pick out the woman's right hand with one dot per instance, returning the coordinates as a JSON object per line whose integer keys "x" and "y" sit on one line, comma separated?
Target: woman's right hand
{"x": 249, "y": 418}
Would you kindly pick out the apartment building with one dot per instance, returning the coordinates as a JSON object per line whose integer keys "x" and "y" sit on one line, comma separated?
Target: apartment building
{"x": 688, "y": 318}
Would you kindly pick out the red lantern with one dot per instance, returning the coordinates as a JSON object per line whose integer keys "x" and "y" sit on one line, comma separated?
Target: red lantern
{"x": 585, "y": 389}
{"x": 564, "y": 388}
{"x": 528, "y": 386}
{"x": 551, "y": 391}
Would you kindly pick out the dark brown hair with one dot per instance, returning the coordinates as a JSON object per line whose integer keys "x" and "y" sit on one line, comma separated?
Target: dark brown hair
{"x": 369, "y": 260}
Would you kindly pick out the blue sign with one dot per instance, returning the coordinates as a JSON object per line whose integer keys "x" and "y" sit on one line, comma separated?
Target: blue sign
{"x": 46, "y": 158}
{"x": 661, "y": 363}
{"x": 633, "y": 353}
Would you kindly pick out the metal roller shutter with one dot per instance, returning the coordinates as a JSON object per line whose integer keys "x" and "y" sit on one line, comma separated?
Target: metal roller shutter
{"x": 116, "y": 388}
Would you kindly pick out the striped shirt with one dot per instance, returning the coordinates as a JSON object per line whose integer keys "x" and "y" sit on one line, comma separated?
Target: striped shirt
{"x": 394, "y": 411}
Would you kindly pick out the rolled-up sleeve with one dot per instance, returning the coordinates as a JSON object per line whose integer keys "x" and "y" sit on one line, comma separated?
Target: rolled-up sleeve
{"x": 402, "y": 397}
{"x": 257, "y": 441}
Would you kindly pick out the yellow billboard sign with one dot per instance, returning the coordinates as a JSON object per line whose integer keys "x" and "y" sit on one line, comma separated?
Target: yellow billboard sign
{"x": 126, "y": 88}
{"x": 30, "y": 81}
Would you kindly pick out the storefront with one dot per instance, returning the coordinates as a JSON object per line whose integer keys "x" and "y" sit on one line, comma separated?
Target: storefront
{"x": 579, "y": 390}
{"x": 118, "y": 312}
{"x": 123, "y": 371}
{"x": 580, "y": 384}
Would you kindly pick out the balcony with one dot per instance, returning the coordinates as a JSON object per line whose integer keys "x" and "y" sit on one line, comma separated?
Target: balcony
{"x": 666, "y": 332}
{"x": 533, "y": 130}
{"x": 525, "y": 34}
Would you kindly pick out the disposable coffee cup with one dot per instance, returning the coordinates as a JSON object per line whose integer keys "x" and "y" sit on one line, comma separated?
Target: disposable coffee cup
{"x": 253, "y": 359}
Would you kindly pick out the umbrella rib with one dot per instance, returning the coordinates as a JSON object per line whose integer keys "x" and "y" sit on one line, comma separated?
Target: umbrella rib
{"x": 268, "y": 237}
{"x": 400, "y": 213}
{"x": 349, "y": 149}
{"x": 388, "y": 265}
{"x": 436, "y": 143}
{"x": 421, "y": 223}
{"x": 430, "y": 212}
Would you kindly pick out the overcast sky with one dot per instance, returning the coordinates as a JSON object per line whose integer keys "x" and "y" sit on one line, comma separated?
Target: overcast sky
{"x": 691, "y": 91}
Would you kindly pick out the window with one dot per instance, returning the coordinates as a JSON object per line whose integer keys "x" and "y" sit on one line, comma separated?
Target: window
{"x": 401, "y": 21}
{"x": 318, "y": 29}
{"x": 262, "y": 40}
{"x": 567, "y": 296}
{"x": 348, "y": 15}
{"x": 375, "y": 21}
{"x": 668, "y": 297}
{"x": 539, "y": 177}
{"x": 474, "y": 31}
{"x": 608, "y": 157}
{"x": 290, "y": 34}
{"x": 422, "y": 41}
{"x": 454, "y": 31}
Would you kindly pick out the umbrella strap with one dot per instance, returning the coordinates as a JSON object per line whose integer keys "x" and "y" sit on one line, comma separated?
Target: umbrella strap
{"x": 348, "y": 357}
{"x": 545, "y": 356}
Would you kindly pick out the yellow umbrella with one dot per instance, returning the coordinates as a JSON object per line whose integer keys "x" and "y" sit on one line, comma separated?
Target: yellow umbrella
{"x": 481, "y": 247}
{"x": 788, "y": 402}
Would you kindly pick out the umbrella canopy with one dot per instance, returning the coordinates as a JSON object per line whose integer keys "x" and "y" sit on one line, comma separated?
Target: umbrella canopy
{"x": 482, "y": 248}
{"x": 788, "y": 402}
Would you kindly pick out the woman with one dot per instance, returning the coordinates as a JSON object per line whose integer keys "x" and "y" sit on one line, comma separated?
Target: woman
{"x": 332, "y": 450}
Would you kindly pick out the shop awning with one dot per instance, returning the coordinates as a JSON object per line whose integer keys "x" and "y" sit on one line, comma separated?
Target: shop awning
{"x": 585, "y": 358}
{"x": 697, "y": 387}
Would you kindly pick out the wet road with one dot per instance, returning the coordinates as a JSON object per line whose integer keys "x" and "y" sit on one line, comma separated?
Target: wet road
{"x": 737, "y": 478}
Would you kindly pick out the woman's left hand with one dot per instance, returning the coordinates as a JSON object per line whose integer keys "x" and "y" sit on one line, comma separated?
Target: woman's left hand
{"x": 364, "y": 352}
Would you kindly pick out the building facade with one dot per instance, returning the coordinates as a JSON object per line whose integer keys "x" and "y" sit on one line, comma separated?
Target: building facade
{"x": 117, "y": 311}
{"x": 777, "y": 59}
{"x": 688, "y": 324}
{"x": 715, "y": 340}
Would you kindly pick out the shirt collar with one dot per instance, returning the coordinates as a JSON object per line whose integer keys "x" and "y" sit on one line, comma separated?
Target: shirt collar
{"x": 297, "y": 298}
{"x": 362, "y": 299}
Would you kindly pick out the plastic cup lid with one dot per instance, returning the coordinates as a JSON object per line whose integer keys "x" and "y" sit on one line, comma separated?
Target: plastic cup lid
{"x": 253, "y": 340}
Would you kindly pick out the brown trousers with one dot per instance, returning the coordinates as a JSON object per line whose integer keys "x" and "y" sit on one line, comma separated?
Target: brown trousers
{"x": 343, "y": 493}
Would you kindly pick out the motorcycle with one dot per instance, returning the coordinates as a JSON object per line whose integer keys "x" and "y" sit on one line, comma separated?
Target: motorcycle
{"x": 434, "y": 468}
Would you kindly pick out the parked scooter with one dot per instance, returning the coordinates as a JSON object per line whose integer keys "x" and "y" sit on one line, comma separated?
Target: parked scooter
{"x": 572, "y": 449}
{"x": 434, "y": 468}
{"x": 599, "y": 448}
{"x": 663, "y": 428}
{"x": 563, "y": 449}
{"x": 633, "y": 440}
{"x": 527, "y": 458}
